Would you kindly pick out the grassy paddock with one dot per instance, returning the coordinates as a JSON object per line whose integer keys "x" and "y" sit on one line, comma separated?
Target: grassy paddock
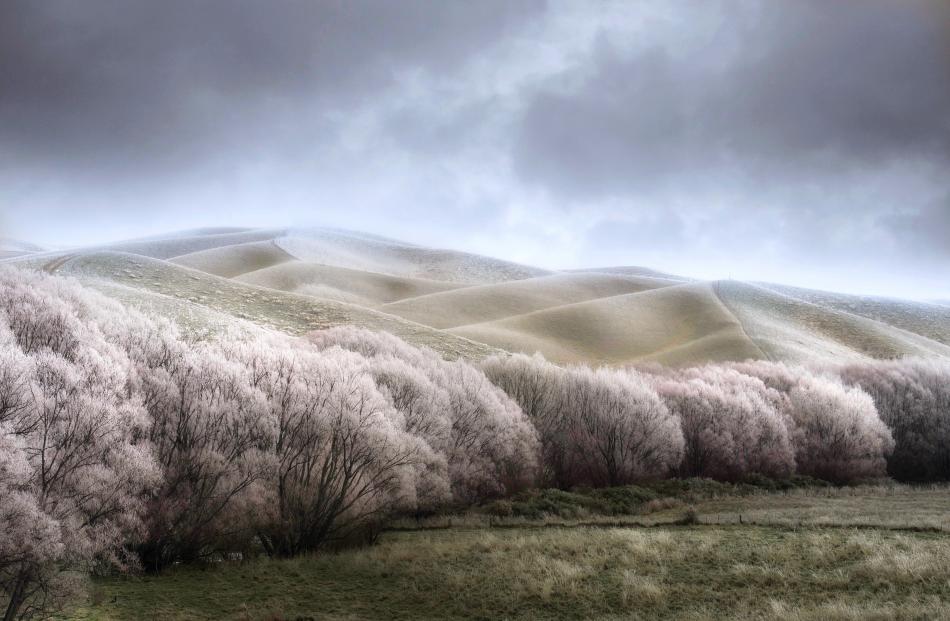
{"x": 878, "y": 552}
{"x": 692, "y": 572}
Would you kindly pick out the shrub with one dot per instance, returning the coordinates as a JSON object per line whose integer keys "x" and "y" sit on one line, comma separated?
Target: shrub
{"x": 73, "y": 463}
{"x": 490, "y": 446}
{"x": 597, "y": 427}
{"x": 836, "y": 431}
{"x": 730, "y": 424}
{"x": 913, "y": 399}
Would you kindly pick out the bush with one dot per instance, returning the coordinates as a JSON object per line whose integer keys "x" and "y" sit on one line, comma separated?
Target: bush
{"x": 731, "y": 426}
{"x": 490, "y": 446}
{"x": 598, "y": 427}
{"x": 913, "y": 399}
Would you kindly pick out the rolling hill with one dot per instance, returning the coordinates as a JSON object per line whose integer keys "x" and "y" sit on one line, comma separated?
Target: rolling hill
{"x": 673, "y": 325}
{"x": 467, "y": 305}
{"x": 343, "y": 283}
{"x": 482, "y": 303}
{"x": 10, "y": 248}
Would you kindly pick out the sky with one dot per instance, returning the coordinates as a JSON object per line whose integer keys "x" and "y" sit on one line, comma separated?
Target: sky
{"x": 796, "y": 141}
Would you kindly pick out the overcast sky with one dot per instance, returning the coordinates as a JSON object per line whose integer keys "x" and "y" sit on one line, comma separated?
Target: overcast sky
{"x": 802, "y": 141}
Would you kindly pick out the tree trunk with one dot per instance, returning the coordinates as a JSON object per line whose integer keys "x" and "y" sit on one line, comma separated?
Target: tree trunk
{"x": 16, "y": 599}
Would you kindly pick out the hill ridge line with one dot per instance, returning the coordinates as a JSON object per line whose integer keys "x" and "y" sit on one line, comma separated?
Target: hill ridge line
{"x": 715, "y": 290}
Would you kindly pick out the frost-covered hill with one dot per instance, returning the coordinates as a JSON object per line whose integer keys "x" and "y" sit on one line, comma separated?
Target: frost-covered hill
{"x": 468, "y": 305}
{"x": 10, "y": 248}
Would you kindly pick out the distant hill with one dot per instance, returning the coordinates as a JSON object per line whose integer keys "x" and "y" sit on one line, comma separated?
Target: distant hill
{"x": 467, "y": 305}
{"x": 10, "y": 248}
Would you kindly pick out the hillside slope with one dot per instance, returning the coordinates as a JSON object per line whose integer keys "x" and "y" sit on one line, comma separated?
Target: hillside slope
{"x": 484, "y": 303}
{"x": 344, "y": 284}
{"x": 384, "y": 256}
{"x": 286, "y": 312}
{"x": 930, "y": 320}
{"x": 787, "y": 328}
{"x": 235, "y": 260}
{"x": 461, "y": 304}
{"x": 675, "y": 325}
{"x": 171, "y": 247}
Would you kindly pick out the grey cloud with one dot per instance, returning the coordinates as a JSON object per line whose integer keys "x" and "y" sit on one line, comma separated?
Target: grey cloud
{"x": 794, "y": 130}
{"x": 926, "y": 231}
{"x": 155, "y": 85}
{"x": 803, "y": 90}
{"x": 806, "y": 134}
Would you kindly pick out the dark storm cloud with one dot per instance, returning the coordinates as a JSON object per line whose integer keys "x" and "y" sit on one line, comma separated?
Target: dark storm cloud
{"x": 815, "y": 90}
{"x": 154, "y": 85}
{"x": 774, "y": 139}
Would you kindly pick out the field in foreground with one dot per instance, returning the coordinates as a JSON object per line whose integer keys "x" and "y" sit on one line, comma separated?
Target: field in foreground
{"x": 807, "y": 555}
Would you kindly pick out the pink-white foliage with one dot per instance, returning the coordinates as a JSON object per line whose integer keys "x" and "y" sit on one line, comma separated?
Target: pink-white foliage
{"x": 31, "y": 542}
{"x": 538, "y": 387}
{"x": 619, "y": 430}
{"x": 69, "y": 412}
{"x": 730, "y": 424}
{"x": 837, "y": 432}
{"x": 913, "y": 399}
{"x": 598, "y": 427}
{"x": 342, "y": 457}
{"x": 210, "y": 431}
{"x": 490, "y": 446}
{"x": 494, "y": 446}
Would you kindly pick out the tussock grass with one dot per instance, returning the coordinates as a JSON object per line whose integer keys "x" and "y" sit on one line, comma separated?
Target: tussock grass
{"x": 678, "y": 572}
{"x": 868, "y": 506}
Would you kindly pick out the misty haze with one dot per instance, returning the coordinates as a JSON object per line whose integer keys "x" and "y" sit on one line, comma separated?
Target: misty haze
{"x": 474, "y": 310}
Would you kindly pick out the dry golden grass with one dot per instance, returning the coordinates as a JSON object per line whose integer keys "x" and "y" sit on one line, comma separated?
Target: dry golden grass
{"x": 286, "y": 312}
{"x": 612, "y": 316}
{"x": 233, "y": 261}
{"x": 190, "y": 242}
{"x": 931, "y": 320}
{"x": 372, "y": 253}
{"x": 480, "y": 304}
{"x": 793, "y": 330}
{"x": 891, "y": 506}
{"x": 676, "y": 325}
{"x": 343, "y": 284}
{"x": 698, "y": 572}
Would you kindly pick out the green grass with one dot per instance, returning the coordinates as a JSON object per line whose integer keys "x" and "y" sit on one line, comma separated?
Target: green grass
{"x": 805, "y": 558}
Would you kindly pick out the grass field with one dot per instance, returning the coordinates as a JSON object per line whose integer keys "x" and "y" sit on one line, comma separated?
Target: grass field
{"x": 808, "y": 555}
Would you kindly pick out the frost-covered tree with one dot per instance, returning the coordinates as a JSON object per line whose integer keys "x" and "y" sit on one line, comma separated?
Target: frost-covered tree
{"x": 836, "y": 430}
{"x": 730, "y": 424}
{"x": 73, "y": 460}
{"x": 489, "y": 444}
{"x": 620, "y": 431}
{"x": 913, "y": 399}
{"x": 210, "y": 432}
{"x": 342, "y": 457}
{"x": 537, "y": 386}
{"x": 494, "y": 447}
{"x": 598, "y": 427}
{"x": 838, "y": 434}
